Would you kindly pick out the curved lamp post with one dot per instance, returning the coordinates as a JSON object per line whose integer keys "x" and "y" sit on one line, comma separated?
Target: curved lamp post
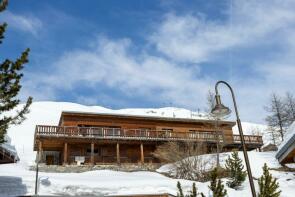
{"x": 220, "y": 111}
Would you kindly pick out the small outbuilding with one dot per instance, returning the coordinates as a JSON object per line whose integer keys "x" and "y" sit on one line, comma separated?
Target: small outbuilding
{"x": 269, "y": 147}
{"x": 7, "y": 152}
{"x": 286, "y": 151}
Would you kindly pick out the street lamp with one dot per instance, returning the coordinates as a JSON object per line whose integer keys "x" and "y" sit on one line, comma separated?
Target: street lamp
{"x": 220, "y": 111}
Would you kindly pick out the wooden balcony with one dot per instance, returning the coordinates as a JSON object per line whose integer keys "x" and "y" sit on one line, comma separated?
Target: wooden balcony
{"x": 43, "y": 131}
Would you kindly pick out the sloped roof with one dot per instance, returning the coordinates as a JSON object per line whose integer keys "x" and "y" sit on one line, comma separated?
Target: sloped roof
{"x": 149, "y": 117}
{"x": 288, "y": 145}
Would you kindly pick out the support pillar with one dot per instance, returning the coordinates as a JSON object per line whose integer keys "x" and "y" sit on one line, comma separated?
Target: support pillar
{"x": 118, "y": 153}
{"x": 65, "y": 153}
{"x": 92, "y": 154}
{"x": 141, "y": 154}
{"x": 39, "y": 152}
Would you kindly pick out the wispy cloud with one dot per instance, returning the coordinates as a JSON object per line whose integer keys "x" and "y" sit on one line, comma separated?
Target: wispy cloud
{"x": 193, "y": 38}
{"x": 181, "y": 41}
{"x": 26, "y": 23}
{"x": 111, "y": 63}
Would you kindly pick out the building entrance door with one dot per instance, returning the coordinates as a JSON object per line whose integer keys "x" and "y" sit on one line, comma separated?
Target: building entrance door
{"x": 49, "y": 159}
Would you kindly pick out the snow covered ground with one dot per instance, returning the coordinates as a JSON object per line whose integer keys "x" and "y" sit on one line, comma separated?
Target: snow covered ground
{"x": 17, "y": 179}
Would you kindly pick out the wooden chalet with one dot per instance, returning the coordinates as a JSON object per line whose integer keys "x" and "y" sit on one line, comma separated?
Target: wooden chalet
{"x": 97, "y": 138}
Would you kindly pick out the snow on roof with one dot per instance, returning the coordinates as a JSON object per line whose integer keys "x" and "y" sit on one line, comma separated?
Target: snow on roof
{"x": 288, "y": 141}
{"x": 9, "y": 147}
{"x": 154, "y": 115}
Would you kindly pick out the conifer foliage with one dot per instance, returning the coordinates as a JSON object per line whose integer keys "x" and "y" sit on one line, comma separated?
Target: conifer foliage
{"x": 268, "y": 186}
{"x": 180, "y": 192}
{"x": 235, "y": 167}
{"x": 216, "y": 185}
{"x": 192, "y": 193}
{"x": 10, "y": 76}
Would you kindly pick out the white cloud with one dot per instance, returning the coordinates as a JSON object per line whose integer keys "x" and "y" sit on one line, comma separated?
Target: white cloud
{"x": 188, "y": 39}
{"x": 112, "y": 64}
{"x": 193, "y": 38}
{"x": 24, "y": 23}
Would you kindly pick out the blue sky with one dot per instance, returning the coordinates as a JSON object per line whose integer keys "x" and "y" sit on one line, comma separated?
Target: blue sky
{"x": 121, "y": 54}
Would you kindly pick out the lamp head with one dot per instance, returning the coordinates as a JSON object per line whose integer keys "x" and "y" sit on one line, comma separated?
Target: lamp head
{"x": 220, "y": 110}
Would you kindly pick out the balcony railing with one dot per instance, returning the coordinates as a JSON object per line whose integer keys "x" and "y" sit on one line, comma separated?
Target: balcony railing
{"x": 118, "y": 133}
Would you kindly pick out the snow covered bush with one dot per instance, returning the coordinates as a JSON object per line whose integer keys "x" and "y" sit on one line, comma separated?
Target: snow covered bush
{"x": 185, "y": 160}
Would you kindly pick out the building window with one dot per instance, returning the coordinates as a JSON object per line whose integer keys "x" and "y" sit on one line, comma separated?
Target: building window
{"x": 144, "y": 131}
{"x": 95, "y": 151}
{"x": 167, "y": 132}
{"x": 193, "y": 134}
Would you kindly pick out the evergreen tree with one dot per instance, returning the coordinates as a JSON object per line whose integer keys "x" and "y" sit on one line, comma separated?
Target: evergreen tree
{"x": 10, "y": 76}
{"x": 180, "y": 192}
{"x": 216, "y": 185}
{"x": 193, "y": 192}
{"x": 268, "y": 186}
{"x": 234, "y": 165}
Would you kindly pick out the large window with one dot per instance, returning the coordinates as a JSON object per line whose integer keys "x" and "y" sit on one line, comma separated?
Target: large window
{"x": 96, "y": 151}
{"x": 168, "y": 132}
{"x": 144, "y": 131}
{"x": 193, "y": 134}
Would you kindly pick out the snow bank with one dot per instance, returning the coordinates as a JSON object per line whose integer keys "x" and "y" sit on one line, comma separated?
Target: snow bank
{"x": 257, "y": 160}
{"x": 106, "y": 182}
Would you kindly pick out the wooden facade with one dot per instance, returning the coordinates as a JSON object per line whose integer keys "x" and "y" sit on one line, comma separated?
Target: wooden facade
{"x": 94, "y": 138}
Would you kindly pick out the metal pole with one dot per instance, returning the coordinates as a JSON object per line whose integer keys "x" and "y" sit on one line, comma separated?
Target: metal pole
{"x": 241, "y": 136}
{"x": 37, "y": 171}
{"x": 217, "y": 143}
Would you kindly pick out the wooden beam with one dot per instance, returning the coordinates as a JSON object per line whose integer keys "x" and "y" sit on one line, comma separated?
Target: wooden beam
{"x": 118, "y": 153}
{"x": 65, "y": 153}
{"x": 40, "y": 151}
{"x": 141, "y": 154}
{"x": 92, "y": 154}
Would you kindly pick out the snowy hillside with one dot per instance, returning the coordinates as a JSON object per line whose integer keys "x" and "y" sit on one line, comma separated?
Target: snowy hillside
{"x": 48, "y": 113}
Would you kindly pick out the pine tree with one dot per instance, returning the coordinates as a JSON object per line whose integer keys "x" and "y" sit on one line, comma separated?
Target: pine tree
{"x": 268, "y": 186}
{"x": 180, "y": 192}
{"x": 234, "y": 165}
{"x": 10, "y": 76}
{"x": 194, "y": 191}
{"x": 216, "y": 185}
